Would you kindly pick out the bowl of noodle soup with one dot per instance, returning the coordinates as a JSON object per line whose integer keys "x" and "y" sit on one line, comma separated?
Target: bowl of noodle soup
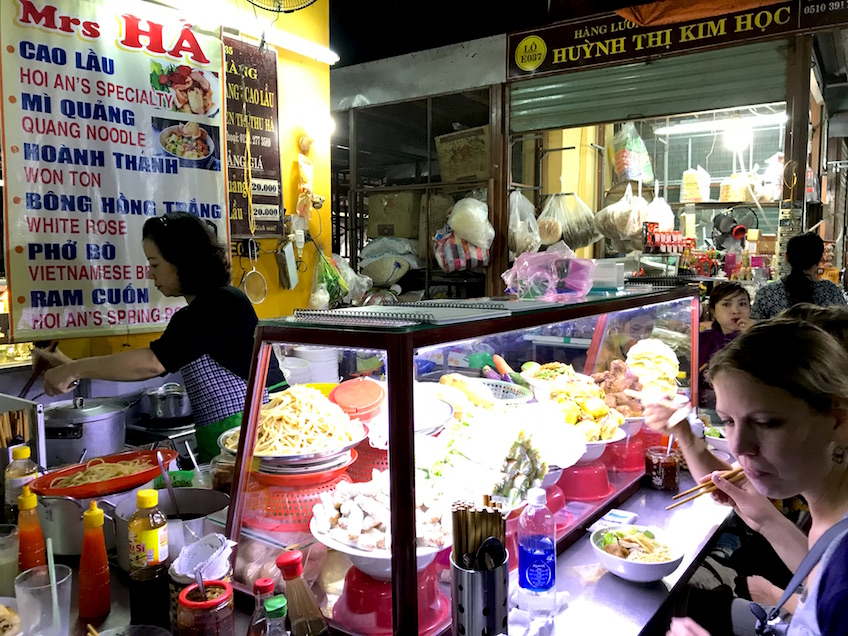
{"x": 635, "y": 553}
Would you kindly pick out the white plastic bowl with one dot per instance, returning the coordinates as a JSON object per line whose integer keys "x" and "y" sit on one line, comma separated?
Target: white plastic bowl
{"x": 719, "y": 443}
{"x": 377, "y": 563}
{"x": 632, "y": 425}
{"x": 595, "y": 449}
{"x": 633, "y": 570}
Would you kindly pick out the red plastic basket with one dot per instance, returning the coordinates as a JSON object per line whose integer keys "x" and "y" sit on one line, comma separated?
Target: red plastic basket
{"x": 368, "y": 459}
{"x": 283, "y": 503}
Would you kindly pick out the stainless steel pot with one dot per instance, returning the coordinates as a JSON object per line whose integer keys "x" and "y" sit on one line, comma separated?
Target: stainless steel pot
{"x": 193, "y": 502}
{"x": 84, "y": 428}
{"x": 61, "y": 519}
{"x": 169, "y": 401}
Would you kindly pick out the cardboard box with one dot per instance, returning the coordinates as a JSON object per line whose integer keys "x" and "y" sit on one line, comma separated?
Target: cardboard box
{"x": 766, "y": 244}
{"x": 394, "y": 214}
{"x": 465, "y": 155}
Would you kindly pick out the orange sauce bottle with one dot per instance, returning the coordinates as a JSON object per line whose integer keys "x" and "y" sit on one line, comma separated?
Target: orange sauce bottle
{"x": 94, "y": 592}
{"x": 32, "y": 552}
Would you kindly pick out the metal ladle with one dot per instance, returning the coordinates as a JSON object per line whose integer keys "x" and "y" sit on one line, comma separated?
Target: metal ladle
{"x": 167, "y": 479}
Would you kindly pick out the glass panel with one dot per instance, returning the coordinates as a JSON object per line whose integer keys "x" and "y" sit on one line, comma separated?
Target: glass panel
{"x": 582, "y": 440}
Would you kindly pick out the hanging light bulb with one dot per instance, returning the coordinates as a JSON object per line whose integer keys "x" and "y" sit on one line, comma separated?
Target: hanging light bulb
{"x": 738, "y": 135}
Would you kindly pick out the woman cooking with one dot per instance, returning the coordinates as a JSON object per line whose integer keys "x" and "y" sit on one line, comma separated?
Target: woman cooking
{"x": 210, "y": 341}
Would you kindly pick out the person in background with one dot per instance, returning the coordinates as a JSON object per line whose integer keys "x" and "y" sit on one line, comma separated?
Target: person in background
{"x": 623, "y": 331}
{"x": 785, "y": 411}
{"x": 209, "y": 341}
{"x": 803, "y": 253}
{"x": 730, "y": 307}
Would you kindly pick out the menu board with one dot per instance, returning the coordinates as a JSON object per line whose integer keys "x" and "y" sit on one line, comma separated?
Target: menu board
{"x": 252, "y": 104}
{"x": 112, "y": 114}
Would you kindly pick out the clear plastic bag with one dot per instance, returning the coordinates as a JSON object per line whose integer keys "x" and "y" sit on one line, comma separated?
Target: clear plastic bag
{"x": 660, "y": 212}
{"x": 621, "y": 222}
{"x": 328, "y": 286}
{"x": 630, "y": 157}
{"x": 469, "y": 220}
{"x": 357, "y": 284}
{"x": 549, "y": 276}
{"x": 523, "y": 228}
{"x": 566, "y": 217}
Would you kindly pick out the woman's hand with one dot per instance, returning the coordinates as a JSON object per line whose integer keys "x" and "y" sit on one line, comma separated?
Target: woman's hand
{"x": 755, "y": 509}
{"x": 60, "y": 380}
{"x": 686, "y": 627}
{"x": 659, "y": 414}
{"x": 763, "y": 591}
{"x": 746, "y": 323}
{"x": 48, "y": 359}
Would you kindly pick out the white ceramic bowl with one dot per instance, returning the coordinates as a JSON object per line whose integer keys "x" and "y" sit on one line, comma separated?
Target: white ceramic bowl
{"x": 719, "y": 443}
{"x": 595, "y": 449}
{"x": 633, "y": 570}
{"x": 377, "y": 563}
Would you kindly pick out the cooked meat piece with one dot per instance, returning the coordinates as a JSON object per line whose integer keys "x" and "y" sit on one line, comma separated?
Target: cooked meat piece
{"x": 615, "y": 549}
{"x": 610, "y": 400}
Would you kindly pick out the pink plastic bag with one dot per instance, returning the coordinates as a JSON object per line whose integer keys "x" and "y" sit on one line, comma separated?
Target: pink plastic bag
{"x": 454, "y": 254}
{"x": 549, "y": 276}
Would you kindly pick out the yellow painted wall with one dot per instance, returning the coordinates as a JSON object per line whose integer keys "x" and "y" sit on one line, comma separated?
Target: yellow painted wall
{"x": 573, "y": 170}
{"x": 304, "y": 92}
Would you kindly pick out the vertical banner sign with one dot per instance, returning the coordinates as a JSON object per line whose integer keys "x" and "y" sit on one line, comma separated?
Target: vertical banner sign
{"x": 112, "y": 114}
{"x": 252, "y": 103}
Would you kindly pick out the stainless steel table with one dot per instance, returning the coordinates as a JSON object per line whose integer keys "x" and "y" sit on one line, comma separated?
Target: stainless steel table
{"x": 601, "y": 603}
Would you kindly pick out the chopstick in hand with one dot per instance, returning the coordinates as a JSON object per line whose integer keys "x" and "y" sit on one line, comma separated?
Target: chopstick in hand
{"x": 707, "y": 487}
{"x": 90, "y": 631}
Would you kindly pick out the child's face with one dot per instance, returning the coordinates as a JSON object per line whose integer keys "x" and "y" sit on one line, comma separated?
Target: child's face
{"x": 730, "y": 310}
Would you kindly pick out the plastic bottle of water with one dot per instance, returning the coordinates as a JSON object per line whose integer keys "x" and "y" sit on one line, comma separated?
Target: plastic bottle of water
{"x": 537, "y": 556}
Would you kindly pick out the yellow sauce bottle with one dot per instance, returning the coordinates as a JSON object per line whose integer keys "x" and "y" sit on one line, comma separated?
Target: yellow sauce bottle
{"x": 148, "y": 532}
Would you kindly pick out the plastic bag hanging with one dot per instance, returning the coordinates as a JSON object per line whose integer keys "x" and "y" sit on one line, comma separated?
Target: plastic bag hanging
{"x": 523, "y": 228}
{"x": 630, "y": 158}
{"x": 469, "y": 219}
{"x": 565, "y": 216}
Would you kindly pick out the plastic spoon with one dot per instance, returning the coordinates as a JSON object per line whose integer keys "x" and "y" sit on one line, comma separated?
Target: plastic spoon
{"x": 199, "y": 578}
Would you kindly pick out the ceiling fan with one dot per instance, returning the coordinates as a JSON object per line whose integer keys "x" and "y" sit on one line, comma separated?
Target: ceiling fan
{"x": 731, "y": 227}
{"x": 281, "y": 6}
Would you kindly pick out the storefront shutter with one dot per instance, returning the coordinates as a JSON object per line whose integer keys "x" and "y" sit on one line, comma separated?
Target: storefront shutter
{"x": 737, "y": 76}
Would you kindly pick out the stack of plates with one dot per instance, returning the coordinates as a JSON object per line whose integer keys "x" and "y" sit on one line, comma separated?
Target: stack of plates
{"x": 324, "y": 360}
{"x": 300, "y": 370}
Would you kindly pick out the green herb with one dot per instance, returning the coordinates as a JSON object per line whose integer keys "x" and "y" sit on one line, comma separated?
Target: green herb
{"x": 714, "y": 431}
{"x": 648, "y": 534}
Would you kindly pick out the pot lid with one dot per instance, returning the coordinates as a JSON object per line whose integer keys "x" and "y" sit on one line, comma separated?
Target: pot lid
{"x": 358, "y": 397}
{"x": 83, "y": 409}
{"x": 169, "y": 388}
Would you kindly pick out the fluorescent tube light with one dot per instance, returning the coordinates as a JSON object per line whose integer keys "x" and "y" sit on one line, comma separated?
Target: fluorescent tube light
{"x": 717, "y": 125}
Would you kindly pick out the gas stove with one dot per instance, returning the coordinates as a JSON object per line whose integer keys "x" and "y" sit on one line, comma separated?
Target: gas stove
{"x": 139, "y": 435}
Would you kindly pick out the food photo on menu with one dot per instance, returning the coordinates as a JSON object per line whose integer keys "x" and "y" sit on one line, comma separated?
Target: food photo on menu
{"x": 191, "y": 143}
{"x": 192, "y": 91}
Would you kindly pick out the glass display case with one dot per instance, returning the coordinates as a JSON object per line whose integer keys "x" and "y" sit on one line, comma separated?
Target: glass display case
{"x": 432, "y": 436}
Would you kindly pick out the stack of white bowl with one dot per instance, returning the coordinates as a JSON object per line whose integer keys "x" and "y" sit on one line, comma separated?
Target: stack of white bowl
{"x": 324, "y": 360}
{"x": 300, "y": 370}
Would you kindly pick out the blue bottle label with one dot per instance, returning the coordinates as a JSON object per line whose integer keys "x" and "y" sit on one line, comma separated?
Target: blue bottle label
{"x": 537, "y": 563}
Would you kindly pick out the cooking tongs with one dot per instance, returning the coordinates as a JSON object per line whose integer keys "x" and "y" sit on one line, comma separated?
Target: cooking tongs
{"x": 39, "y": 367}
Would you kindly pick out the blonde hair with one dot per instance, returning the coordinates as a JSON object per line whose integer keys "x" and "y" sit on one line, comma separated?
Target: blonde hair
{"x": 793, "y": 355}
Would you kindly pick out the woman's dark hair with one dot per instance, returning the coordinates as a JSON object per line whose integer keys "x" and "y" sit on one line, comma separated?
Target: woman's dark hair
{"x": 188, "y": 244}
{"x": 802, "y": 252}
{"x": 792, "y": 355}
{"x": 722, "y": 291}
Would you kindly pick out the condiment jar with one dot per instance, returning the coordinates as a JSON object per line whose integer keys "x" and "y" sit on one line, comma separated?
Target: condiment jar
{"x": 662, "y": 468}
{"x": 212, "y": 616}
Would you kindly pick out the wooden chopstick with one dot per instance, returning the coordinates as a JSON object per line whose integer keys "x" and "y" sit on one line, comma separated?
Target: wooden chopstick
{"x": 738, "y": 477}
{"x": 91, "y": 631}
{"x": 705, "y": 484}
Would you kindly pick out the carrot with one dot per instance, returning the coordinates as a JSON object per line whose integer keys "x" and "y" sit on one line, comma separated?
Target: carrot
{"x": 501, "y": 365}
